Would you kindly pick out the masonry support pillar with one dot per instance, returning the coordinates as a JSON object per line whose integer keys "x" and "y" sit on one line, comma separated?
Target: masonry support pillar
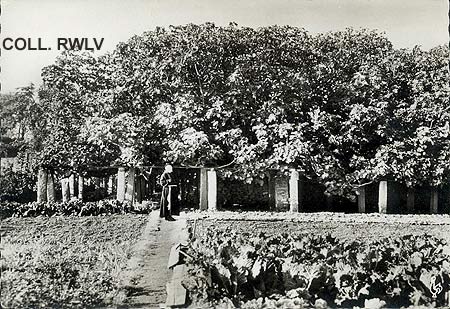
{"x": 139, "y": 188}
{"x": 50, "y": 187}
{"x": 282, "y": 193}
{"x": 65, "y": 192}
{"x": 71, "y": 186}
{"x": 203, "y": 189}
{"x": 271, "y": 189}
{"x": 80, "y": 187}
{"x": 294, "y": 191}
{"x": 130, "y": 185}
{"x": 42, "y": 186}
{"x": 329, "y": 200}
{"x": 212, "y": 190}
{"x": 110, "y": 184}
{"x": 434, "y": 201}
{"x": 361, "y": 191}
{"x": 410, "y": 200}
{"x": 383, "y": 197}
{"x": 121, "y": 184}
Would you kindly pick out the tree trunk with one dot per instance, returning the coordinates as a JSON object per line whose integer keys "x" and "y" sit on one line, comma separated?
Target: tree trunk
{"x": 42, "y": 186}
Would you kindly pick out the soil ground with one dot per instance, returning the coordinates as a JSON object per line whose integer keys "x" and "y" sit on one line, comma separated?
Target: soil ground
{"x": 95, "y": 228}
{"x": 359, "y": 227}
{"x": 34, "y": 249}
{"x": 144, "y": 278}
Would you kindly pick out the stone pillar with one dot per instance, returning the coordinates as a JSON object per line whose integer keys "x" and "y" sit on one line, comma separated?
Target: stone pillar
{"x": 139, "y": 189}
{"x": 203, "y": 189}
{"x": 130, "y": 185}
{"x": 383, "y": 197}
{"x": 329, "y": 200}
{"x": 80, "y": 187}
{"x": 65, "y": 189}
{"x": 110, "y": 185}
{"x": 212, "y": 190}
{"x": 361, "y": 199}
{"x": 410, "y": 200}
{"x": 50, "y": 187}
{"x": 42, "y": 186}
{"x": 293, "y": 191}
{"x": 271, "y": 189}
{"x": 182, "y": 187}
{"x": 434, "y": 201}
{"x": 281, "y": 193}
{"x": 121, "y": 184}
{"x": 72, "y": 186}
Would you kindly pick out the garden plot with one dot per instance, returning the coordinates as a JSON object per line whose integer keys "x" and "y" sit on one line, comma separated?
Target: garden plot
{"x": 361, "y": 227}
{"x": 65, "y": 261}
{"x": 267, "y": 260}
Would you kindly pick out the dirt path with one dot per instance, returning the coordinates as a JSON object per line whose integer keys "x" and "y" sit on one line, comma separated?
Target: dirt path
{"x": 144, "y": 281}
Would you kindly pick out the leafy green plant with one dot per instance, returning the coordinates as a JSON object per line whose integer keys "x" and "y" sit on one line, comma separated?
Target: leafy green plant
{"x": 17, "y": 186}
{"x": 412, "y": 270}
{"x": 70, "y": 208}
{"x": 65, "y": 262}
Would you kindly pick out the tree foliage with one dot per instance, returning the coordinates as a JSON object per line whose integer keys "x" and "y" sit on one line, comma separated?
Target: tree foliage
{"x": 344, "y": 107}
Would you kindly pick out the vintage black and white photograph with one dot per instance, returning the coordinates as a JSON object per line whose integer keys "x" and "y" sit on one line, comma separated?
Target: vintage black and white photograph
{"x": 225, "y": 154}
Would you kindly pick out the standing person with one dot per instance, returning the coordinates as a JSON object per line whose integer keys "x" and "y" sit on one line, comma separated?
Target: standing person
{"x": 168, "y": 196}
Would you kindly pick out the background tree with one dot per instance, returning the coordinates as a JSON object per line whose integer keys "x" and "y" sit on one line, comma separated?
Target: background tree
{"x": 344, "y": 107}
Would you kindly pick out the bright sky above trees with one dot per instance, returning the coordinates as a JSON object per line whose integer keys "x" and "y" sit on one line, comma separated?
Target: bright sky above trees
{"x": 406, "y": 22}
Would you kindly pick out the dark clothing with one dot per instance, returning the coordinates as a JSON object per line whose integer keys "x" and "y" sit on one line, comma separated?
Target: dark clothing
{"x": 169, "y": 197}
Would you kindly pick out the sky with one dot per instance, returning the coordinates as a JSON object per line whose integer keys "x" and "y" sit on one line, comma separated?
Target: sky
{"x": 406, "y": 23}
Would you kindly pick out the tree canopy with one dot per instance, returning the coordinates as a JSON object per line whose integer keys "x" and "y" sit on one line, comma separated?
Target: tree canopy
{"x": 344, "y": 107}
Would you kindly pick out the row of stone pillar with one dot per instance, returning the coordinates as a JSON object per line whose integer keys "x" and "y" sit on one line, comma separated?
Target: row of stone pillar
{"x": 71, "y": 187}
{"x": 290, "y": 192}
{"x": 387, "y": 198}
{"x": 46, "y": 187}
